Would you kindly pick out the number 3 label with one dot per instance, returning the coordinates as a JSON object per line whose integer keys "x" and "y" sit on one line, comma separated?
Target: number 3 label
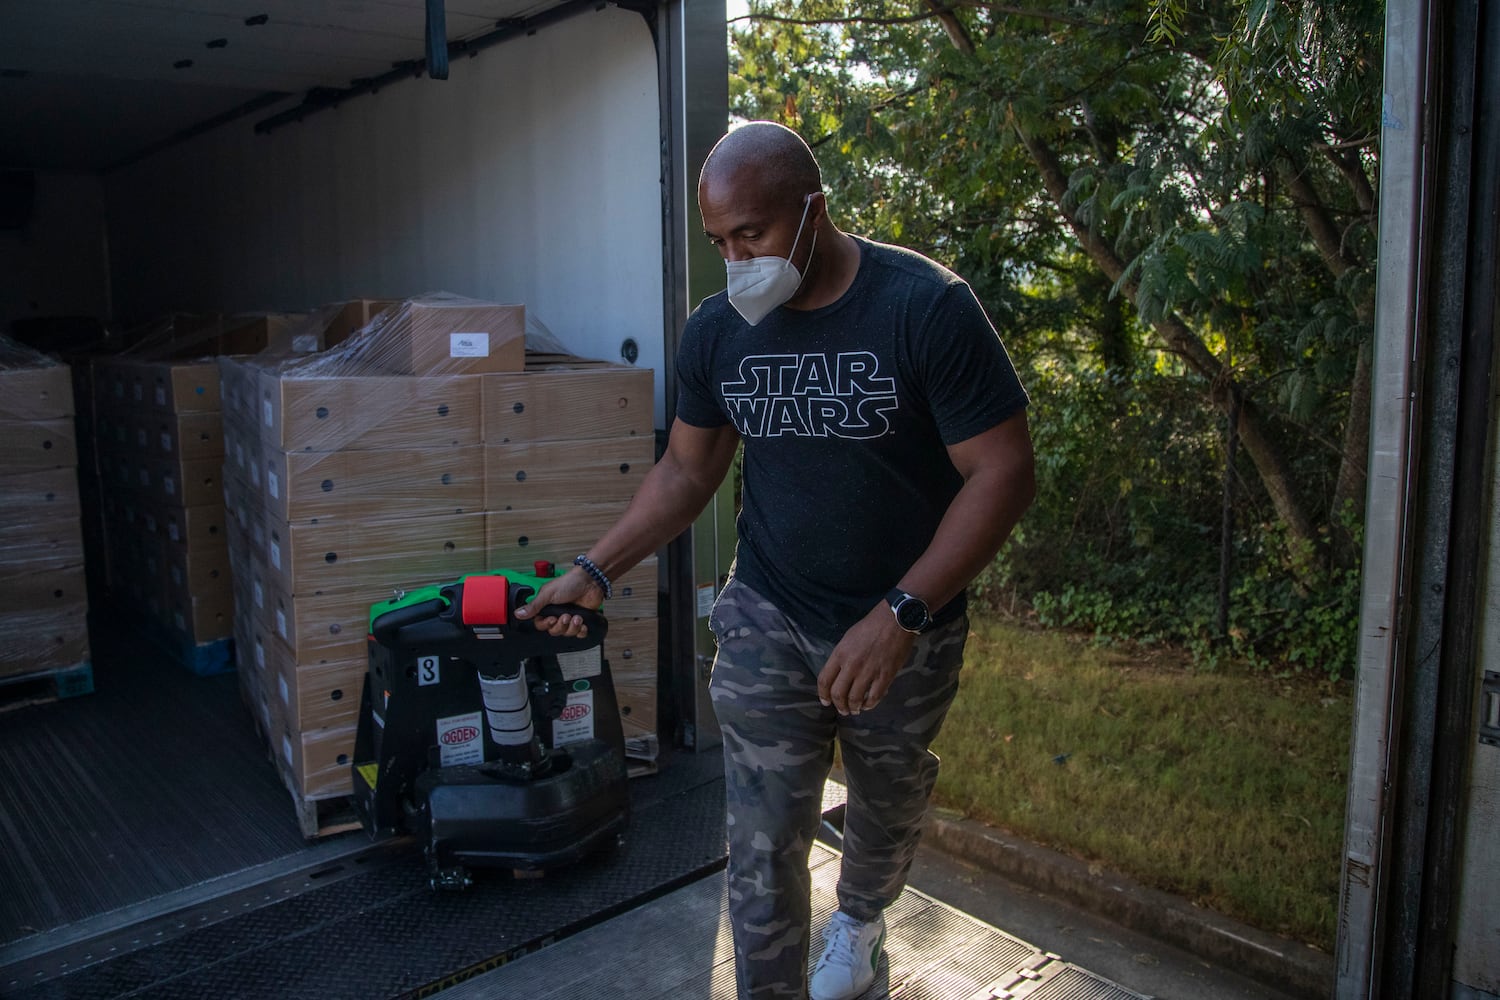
{"x": 427, "y": 670}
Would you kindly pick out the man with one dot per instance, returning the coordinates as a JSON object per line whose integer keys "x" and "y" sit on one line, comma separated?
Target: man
{"x": 886, "y": 459}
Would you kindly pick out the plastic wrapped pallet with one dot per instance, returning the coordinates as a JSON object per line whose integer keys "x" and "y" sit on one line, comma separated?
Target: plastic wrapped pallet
{"x": 43, "y": 595}
{"x": 365, "y": 470}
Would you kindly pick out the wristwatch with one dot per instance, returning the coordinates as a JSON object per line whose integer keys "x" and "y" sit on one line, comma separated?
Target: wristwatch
{"x": 911, "y": 612}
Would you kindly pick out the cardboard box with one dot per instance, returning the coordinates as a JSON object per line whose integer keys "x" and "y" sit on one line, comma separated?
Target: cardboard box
{"x": 37, "y": 444}
{"x": 43, "y": 393}
{"x": 349, "y": 317}
{"x": 514, "y": 539}
{"x": 41, "y": 588}
{"x": 201, "y": 572}
{"x": 242, "y": 450}
{"x": 306, "y": 486}
{"x": 180, "y": 386}
{"x": 549, "y": 473}
{"x": 184, "y": 436}
{"x": 319, "y": 695}
{"x": 38, "y": 496}
{"x": 203, "y": 528}
{"x": 317, "y": 761}
{"x": 362, "y": 413}
{"x": 41, "y": 543}
{"x": 631, "y": 649}
{"x": 47, "y": 640}
{"x": 276, "y": 333}
{"x": 355, "y": 553}
{"x": 201, "y": 618}
{"x": 324, "y": 626}
{"x": 188, "y": 483}
{"x": 437, "y": 337}
{"x": 596, "y": 401}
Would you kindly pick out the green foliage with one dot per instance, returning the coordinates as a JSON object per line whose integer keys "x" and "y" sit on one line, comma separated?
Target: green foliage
{"x": 1180, "y": 130}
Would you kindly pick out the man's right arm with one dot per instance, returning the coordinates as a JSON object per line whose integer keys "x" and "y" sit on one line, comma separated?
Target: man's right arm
{"x": 670, "y": 498}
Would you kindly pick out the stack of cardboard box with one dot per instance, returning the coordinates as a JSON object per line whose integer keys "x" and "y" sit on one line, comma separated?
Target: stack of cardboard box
{"x": 417, "y": 452}
{"x": 43, "y": 598}
{"x": 158, "y": 441}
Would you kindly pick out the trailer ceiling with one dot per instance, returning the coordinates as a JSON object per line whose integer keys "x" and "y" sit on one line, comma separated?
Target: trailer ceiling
{"x": 85, "y": 84}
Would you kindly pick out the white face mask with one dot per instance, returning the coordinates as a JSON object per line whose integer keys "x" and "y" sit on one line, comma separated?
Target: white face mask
{"x": 760, "y": 284}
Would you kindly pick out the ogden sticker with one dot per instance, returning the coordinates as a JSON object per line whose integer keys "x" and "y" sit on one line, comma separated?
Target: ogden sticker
{"x": 468, "y": 345}
{"x": 460, "y": 739}
{"x": 576, "y": 723}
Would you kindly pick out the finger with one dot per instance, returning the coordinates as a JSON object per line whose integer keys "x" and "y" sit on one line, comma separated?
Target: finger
{"x": 826, "y": 677}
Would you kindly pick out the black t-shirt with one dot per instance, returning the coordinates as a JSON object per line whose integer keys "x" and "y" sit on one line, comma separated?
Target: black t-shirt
{"x": 845, "y": 412}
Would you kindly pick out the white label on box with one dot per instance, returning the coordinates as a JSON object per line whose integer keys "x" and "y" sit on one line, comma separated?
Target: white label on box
{"x": 145, "y": 475}
{"x": 260, "y": 594}
{"x": 268, "y": 413}
{"x": 275, "y": 555}
{"x": 460, "y": 739}
{"x": 576, "y": 723}
{"x": 286, "y": 748}
{"x": 161, "y": 395}
{"x": 151, "y": 524}
{"x": 119, "y": 390}
{"x": 173, "y": 533}
{"x": 273, "y": 483}
{"x": 166, "y": 441}
{"x": 286, "y": 694}
{"x": 260, "y": 655}
{"x": 177, "y": 574}
{"x": 139, "y": 394}
{"x": 428, "y": 671}
{"x": 239, "y": 454}
{"x": 140, "y": 437}
{"x": 181, "y": 622}
{"x": 281, "y": 623}
{"x": 705, "y": 600}
{"x": 468, "y": 345}
{"x": 581, "y": 663}
{"x": 169, "y": 484}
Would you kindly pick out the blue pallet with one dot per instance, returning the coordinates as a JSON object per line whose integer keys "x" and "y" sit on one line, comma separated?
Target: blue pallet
{"x": 47, "y": 685}
{"x": 202, "y": 659}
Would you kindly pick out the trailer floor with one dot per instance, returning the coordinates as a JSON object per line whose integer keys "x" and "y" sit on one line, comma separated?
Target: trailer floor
{"x": 151, "y": 851}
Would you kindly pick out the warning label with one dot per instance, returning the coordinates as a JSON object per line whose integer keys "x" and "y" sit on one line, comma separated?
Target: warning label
{"x": 581, "y": 663}
{"x": 460, "y": 739}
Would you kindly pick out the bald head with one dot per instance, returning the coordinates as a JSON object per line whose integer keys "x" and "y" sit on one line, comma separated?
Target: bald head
{"x": 765, "y": 156}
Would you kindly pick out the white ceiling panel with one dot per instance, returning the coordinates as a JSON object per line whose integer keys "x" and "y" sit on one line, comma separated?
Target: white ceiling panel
{"x": 88, "y": 83}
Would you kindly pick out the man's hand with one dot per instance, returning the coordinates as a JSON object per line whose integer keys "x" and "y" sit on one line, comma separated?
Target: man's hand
{"x": 865, "y": 662}
{"x": 573, "y": 587}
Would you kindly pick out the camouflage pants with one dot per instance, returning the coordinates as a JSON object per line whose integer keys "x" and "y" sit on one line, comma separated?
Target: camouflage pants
{"x": 778, "y": 748}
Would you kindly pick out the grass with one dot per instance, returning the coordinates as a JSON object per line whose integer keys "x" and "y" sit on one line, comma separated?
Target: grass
{"x": 1225, "y": 787}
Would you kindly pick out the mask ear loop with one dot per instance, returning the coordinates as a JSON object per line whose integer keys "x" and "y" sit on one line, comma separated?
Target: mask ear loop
{"x": 806, "y": 207}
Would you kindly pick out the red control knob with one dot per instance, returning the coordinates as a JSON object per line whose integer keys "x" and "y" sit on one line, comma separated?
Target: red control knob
{"x": 543, "y": 568}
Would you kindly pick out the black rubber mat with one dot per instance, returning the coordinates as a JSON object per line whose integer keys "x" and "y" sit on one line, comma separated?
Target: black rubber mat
{"x": 382, "y": 932}
{"x": 155, "y": 782}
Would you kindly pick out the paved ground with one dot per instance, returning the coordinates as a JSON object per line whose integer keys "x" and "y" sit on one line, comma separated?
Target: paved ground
{"x": 1132, "y": 959}
{"x": 1145, "y": 940}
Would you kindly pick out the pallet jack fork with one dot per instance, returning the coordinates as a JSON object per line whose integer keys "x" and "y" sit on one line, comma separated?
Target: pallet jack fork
{"x": 495, "y": 744}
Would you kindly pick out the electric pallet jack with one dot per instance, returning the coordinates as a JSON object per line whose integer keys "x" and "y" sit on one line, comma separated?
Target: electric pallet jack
{"x": 496, "y": 744}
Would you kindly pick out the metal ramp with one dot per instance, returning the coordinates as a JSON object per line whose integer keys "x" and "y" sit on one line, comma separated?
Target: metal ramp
{"x": 678, "y": 947}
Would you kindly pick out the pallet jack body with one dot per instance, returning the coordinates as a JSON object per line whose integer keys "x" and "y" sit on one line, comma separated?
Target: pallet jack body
{"x": 495, "y": 744}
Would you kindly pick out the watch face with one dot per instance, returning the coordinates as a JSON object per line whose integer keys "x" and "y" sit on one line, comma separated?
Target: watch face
{"x": 911, "y": 615}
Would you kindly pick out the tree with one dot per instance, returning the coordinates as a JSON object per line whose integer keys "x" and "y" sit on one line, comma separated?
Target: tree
{"x": 1178, "y": 196}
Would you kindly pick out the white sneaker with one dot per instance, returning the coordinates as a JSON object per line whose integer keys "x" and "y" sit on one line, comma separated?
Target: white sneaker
{"x": 851, "y": 954}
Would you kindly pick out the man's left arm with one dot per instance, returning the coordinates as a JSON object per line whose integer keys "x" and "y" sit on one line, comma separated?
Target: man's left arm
{"x": 998, "y": 470}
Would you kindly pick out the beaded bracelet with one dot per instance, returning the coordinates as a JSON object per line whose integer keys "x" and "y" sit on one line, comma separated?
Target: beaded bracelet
{"x": 596, "y": 574}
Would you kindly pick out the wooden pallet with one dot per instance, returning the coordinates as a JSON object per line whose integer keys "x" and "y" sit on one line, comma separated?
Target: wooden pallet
{"x": 41, "y": 686}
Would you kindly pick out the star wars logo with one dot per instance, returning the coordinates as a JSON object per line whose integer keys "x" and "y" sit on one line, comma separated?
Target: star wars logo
{"x": 811, "y": 395}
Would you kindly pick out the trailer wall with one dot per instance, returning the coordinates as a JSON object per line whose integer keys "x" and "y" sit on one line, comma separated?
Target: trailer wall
{"x": 531, "y": 175}
{"x": 55, "y": 264}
